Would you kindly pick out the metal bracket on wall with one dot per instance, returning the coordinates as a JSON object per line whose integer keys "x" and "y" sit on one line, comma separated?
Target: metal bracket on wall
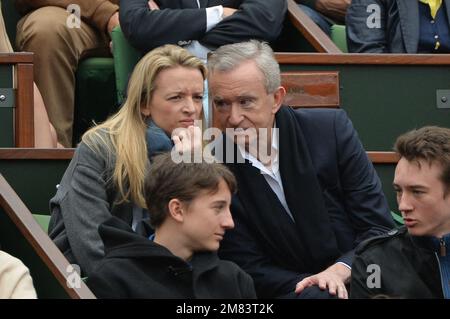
{"x": 6, "y": 97}
{"x": 443, "y": 99}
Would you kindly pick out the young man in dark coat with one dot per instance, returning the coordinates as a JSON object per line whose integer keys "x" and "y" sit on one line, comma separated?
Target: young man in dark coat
{"x": 301, "y": 210}
{"x": 414, "y": 261}
{"x": 190, "y": 211}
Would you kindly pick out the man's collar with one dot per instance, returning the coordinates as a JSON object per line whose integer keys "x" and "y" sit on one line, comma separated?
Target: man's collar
{"x": 433, "y": 243}
{"x": 274, "y": 154}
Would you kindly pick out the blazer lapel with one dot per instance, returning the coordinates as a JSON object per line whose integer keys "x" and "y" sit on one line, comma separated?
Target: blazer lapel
{"x": 409, "y": 22}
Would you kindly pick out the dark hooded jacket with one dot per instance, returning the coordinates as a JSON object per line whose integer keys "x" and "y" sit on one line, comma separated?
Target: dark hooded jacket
{"x": 136, "y": 267}
{"x": 406, "y": 266}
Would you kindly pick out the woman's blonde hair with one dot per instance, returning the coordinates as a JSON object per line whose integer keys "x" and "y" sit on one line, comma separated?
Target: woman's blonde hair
{"x": 123, "y": 134}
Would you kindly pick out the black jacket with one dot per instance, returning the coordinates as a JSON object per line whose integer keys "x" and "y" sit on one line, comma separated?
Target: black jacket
{"x": 136, "y": 267}
{"x": 408, "y": 267}
{"x": 179, "y": 21}
{"x": 266, "y": 243}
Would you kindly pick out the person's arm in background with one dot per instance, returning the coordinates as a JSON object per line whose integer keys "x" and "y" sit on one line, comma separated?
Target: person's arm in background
{"x": 147, "y": 27}
{"x": 334, "y": 9}
{"x": 101, "y": 14}
{"x": 366, "y": 27}
{"x": 254, "y": 19}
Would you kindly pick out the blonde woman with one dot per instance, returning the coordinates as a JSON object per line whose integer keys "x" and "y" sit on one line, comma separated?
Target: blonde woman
{"x": 106, "y": 175}
{"x": 44, "y": 133}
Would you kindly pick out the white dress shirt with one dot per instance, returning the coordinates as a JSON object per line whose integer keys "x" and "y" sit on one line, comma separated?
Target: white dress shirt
{"x": 271, "y": 174}
{"x": 213, "y": 17}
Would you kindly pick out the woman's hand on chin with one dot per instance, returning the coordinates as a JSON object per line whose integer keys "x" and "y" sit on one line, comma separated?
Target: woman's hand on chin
{"x": 187, "y": 139}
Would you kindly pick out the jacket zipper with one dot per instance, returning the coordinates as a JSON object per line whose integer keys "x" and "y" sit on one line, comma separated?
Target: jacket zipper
{"x": 443, "y": 249}
{"x": 440, "y": 273}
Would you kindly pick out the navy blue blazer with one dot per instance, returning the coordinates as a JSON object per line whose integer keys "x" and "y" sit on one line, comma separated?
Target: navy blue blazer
{"x": 351, "y": 189}
{"x": 399, "y": 31}
{"x": 180, "y": 21}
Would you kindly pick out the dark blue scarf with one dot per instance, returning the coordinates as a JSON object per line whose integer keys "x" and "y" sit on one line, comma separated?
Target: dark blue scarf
{"x": 157, "y": 140}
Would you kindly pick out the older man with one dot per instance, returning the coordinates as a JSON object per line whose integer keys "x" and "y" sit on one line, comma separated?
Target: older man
{"x": 300, "y": 211}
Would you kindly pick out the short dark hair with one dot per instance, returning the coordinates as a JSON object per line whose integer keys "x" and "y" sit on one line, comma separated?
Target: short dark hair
{"x": 167, "y": 180}
{"x": 429, "y": 143}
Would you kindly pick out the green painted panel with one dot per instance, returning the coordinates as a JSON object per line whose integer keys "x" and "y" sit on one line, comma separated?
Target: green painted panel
{"x": 95, "y": 94}
{"x": 6, "y": 113}
{"x": 13, "y": 242}
{"x": 6, "y": 76}
{"x": 386, "y": 101}
{"x": 6, "y": 127}
{"x": 34, "y": 180}
{"x": 386, "y": 174}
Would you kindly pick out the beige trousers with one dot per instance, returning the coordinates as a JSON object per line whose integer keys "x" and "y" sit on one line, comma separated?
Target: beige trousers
{"x": 58, "y": 49}
{"x": 5, "y": 45}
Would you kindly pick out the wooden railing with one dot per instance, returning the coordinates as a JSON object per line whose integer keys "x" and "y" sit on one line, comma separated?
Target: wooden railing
{"x": 311, "y": 31}
{"x": 39, "y": 240}
{"x": 361, "y": 59}
{"x": 59, "y": 154}
{"x": 36, "y": 153}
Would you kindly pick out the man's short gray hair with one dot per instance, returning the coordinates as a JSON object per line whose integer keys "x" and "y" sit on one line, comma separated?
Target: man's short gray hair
{"x": 230, "y": 56}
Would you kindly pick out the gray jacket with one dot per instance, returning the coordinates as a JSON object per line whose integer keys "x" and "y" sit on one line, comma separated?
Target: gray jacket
{"x": 398, "y": 30}
{"x": 85, "y": 198}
